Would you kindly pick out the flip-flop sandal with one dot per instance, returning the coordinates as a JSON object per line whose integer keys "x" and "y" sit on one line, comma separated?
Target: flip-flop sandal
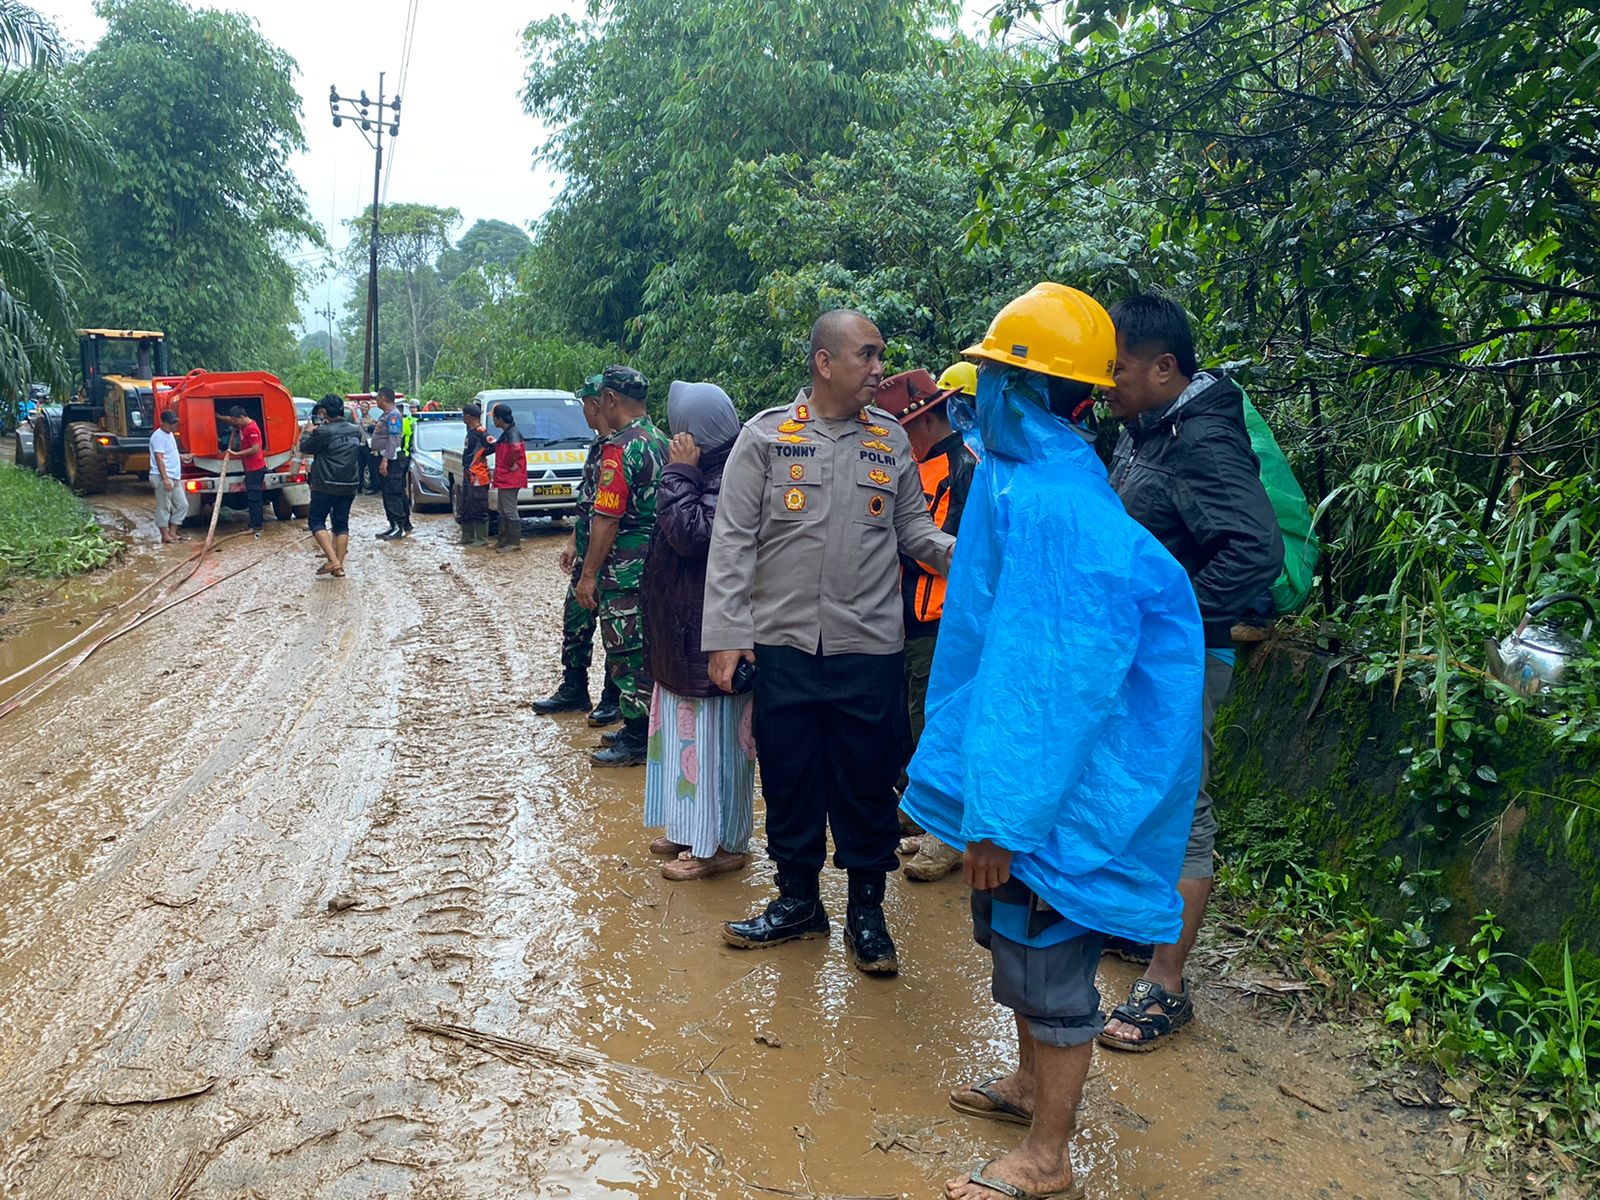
{"x": 1011, "y": 1191}
{"x": 667, "y": 848}
{"x": 1154, "y": 1027}
{"x": 326, "y": 568}
{"x": 1002, "y": 1110}
{"x": 336, "y": 573}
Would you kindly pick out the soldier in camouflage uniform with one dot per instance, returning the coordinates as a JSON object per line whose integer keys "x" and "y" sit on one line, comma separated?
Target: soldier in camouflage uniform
{"x": 619, "y": 535}
{"x": 578, "y": 622}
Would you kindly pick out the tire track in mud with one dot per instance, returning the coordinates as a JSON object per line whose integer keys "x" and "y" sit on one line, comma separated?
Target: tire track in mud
{"x": 241, "y": 979}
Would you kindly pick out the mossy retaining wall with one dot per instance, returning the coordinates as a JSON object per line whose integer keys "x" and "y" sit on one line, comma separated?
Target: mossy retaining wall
{"x": 1308, "y": 754}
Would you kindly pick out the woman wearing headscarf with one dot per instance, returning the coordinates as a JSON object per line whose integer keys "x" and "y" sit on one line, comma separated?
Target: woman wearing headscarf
{"x": 700, "y": 772}
{"x": 472, "y": 498}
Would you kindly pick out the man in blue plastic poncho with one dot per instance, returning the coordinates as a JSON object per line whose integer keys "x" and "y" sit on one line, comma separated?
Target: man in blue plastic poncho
{"x": 1063, "y": 720}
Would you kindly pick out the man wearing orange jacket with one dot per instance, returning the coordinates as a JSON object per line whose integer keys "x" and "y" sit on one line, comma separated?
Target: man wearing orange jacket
{"x": 945, "y": 463}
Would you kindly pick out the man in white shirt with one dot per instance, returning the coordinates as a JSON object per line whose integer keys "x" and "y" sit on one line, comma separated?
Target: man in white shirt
{"x": 166, "y": 474}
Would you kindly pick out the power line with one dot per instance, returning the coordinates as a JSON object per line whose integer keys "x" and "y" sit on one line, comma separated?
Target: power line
{"x": 406, "y": 48}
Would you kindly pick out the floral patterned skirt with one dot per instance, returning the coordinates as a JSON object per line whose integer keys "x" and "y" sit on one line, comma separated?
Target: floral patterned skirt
{"x": 700, "y": 777}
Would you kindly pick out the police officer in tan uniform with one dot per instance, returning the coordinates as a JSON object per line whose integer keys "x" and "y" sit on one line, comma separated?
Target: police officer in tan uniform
{"x": 819, "y": 499}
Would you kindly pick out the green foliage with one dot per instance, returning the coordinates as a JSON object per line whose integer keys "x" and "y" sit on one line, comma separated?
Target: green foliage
{"x": 413, "y": 304}
{"x": 1518, "y": 1040}
{"x": 313, "y": 377}
{"x": 45, "y": 531}
{"x": 187, "y": 231}
{"x": 46, "y": 148}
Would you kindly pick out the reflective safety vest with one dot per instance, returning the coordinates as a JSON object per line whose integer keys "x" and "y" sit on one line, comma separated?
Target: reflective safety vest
{"x": 927, "y": 595}
{"x": 408, "y": 434}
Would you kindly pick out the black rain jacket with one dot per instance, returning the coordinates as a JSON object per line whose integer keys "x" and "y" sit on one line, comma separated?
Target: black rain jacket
{"x": 1186, "y": 472}
{"x": 336, "y": 467}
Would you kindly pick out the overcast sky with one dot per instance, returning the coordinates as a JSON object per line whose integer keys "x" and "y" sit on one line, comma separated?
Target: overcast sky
{"x": 464, "y": 139}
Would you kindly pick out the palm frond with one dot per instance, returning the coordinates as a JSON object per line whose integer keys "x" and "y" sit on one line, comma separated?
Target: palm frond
{"x": 42, "y": 133}
{"x": 27, "y": 38}
{"x": 36, "y": 311}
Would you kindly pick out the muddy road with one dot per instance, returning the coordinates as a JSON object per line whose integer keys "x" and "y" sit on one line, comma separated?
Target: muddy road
{"x": 298, "y": 898}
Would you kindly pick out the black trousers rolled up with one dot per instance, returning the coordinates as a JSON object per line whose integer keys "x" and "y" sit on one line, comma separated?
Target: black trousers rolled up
{"x": 254, "y": 482}
{"x": 832, "y": 736}
{"x": 396, "y": 500}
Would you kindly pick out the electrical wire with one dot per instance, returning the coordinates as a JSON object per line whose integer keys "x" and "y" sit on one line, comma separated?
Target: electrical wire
{"x": 405, "y": 73}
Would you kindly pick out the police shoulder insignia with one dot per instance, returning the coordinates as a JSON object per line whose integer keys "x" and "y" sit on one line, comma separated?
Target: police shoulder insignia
{"x": 791, "y": 427}
{"x": 878, "y": 475}
{"x": 797, "y": 471}
{"x": 794, "y": 500}
{"x": 877, "y": 431}
{"x": 792, "y": 439}
{"x": 875, "y": 506}
{"x": 877, "y": 445}
{"x": 863, "y": 418}
{"x": 802, "y": 413}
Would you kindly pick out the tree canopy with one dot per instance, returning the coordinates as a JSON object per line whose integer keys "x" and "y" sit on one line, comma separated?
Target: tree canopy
{"x": 189, "y": 228}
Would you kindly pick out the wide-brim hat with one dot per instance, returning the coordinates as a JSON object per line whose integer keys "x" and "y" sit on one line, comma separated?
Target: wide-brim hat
{"x": 908, "y": 395}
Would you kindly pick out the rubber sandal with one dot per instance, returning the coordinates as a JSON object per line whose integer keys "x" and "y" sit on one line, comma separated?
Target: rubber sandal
{"x": 1011, "y": 1191}
{"x": 667, "y": 848}
{"x": 1001, "y": 1110}
{"x": 336, "y": 573}
{"x": 1154, "y": 1027}
{"x": 326, "y": 568}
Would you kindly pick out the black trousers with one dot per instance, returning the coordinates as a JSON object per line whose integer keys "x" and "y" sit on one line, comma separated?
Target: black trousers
{"x": 396, "y": 498}
{"x": 832, "y": 735}
{"x": 253, "y": 483}
{"x": 371, "y": 481}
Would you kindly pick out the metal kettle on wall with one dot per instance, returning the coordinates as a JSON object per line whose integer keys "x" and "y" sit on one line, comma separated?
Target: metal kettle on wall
{"x": 1535, "y": 658}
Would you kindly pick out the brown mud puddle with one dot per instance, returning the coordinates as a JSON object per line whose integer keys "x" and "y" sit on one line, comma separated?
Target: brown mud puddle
{"x": 301, "y": 899}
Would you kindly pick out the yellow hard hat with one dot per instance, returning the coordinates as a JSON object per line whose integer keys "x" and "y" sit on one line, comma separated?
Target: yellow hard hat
{"x": 960, "y": 377}
{"x": 1055, "y": 330}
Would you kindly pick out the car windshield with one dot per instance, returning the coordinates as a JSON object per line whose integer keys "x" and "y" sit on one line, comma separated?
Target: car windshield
{"x": 434, "y": 436}
{"x": 546, "y": 419}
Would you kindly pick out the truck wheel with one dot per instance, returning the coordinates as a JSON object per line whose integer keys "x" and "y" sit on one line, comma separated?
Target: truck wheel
{"x": 281, "y": 508}
{"x": 86, "y": 470}
{"x": 22, "y": 457}
{"x": 46, "y": 451}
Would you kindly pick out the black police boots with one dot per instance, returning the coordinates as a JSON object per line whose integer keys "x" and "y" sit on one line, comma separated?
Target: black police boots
{"x": 571, "y": 696}
{"x": 866, "y": 934}
{"x": 796, "y": 913}
{"x": 607, "y": 712}
{"x": 630, "y": 748}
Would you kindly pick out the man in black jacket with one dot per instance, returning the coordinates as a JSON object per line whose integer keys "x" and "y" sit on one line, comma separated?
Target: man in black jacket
{"x": 335, "y": 445}
{"x": 1185, "y": 471}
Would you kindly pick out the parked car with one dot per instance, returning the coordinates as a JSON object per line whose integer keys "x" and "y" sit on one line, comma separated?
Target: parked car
{"x": 435, "y": 433}
{"x": 558, "y": 439}
{"x": 299, "y": 494}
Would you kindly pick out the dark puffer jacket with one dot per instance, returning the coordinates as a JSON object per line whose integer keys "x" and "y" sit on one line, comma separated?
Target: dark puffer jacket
{"x": 336, "y": 465}
{"x": 1187, "y": 474}
{"x": 675, "y": 574}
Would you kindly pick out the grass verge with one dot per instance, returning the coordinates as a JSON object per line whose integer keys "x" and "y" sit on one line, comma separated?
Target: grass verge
{"x": 1516, "y": 1045}
{"x": 45, "y": 531}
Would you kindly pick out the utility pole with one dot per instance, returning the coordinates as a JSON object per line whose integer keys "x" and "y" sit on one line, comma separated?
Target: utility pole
{"x": 326, "y": 312}
{"x": 358, "y": 110}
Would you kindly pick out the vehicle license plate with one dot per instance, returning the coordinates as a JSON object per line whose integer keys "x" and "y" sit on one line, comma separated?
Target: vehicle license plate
{"x": 551, "y": 489}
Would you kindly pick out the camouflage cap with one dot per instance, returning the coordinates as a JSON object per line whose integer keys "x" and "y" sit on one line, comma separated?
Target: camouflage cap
{"x": 590, "y": 387}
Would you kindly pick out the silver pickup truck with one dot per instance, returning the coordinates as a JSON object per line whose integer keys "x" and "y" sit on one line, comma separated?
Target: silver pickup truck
{"x": 557, "y": 437}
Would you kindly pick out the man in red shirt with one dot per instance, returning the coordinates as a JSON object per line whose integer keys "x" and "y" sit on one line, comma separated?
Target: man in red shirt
{"x": 246, "y": 447}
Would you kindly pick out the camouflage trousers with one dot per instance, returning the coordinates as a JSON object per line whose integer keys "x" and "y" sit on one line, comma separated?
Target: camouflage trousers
{"x": 577, "y": 633}
{"x": 622, "y": 630}
{"x": 577, "y": 640}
